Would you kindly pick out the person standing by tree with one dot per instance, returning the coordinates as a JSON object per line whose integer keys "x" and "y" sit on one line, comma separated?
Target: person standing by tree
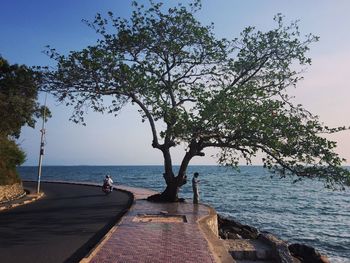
{"x": 195, "y": 188}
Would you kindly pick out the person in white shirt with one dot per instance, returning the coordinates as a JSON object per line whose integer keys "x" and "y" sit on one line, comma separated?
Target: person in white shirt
{"x": 108, "y": 182}
{"x": 195, "y": 188}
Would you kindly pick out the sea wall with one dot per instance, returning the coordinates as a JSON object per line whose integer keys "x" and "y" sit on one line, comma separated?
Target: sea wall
{"x": 9, "y": 192}
{"x": 212, "y": 222}
{"x": 210, "y": 228}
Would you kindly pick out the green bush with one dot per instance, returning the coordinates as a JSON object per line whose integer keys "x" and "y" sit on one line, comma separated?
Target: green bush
{"x": 10, "y": 157}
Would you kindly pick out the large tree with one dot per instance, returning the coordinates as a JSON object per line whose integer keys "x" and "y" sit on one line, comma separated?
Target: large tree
{"x": 196, "y": 89}
{"x": 18, "y": 107}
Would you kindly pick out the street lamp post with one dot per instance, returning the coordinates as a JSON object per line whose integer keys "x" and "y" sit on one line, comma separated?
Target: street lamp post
{"x": 42, "y": 143}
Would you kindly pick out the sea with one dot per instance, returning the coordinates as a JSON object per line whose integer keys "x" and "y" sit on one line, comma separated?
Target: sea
{"x": 303, "y": 212}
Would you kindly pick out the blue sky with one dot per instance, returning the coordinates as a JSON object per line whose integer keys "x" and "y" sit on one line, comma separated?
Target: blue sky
{"x": 26, "y": 27}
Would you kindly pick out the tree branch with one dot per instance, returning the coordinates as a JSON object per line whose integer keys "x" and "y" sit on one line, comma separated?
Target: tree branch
{"x": 155, "y": 142}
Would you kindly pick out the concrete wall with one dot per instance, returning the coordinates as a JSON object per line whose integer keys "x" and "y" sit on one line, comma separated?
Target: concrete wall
{"x": 209, "y": 227}
{"x": 212, "y": 222}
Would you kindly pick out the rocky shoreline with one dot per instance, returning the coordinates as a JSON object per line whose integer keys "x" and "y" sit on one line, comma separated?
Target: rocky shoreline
{"x": 248, "y": 243}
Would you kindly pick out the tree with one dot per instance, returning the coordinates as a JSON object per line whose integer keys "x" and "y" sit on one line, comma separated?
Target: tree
{"x": 18, "y": 107}
{"x": 201, "y": 91}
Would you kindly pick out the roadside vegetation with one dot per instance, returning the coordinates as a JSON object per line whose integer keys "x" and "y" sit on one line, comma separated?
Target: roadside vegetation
{"x": 18, "y": 107}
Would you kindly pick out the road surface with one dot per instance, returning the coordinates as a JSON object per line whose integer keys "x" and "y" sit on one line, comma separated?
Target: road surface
{"x": 62, "y": 226}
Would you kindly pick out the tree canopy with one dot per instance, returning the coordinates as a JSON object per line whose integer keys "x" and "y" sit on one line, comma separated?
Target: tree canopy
{"x": 197, "y": 89}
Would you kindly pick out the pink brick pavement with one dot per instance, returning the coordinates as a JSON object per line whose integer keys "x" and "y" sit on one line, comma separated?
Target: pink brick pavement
{"x": 156, "y": 242}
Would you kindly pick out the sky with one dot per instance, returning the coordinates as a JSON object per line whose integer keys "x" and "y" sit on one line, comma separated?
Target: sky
{"x": 26, "y": 27}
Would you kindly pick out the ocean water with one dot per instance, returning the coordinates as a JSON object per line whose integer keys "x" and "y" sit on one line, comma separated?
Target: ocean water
{"x": 303, "y": 212}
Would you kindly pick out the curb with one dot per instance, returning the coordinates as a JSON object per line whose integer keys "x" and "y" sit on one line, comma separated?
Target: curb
{"x": 31, "y": 198}
{"x": 14, "y": 198}
{"x": 93, "y": 252}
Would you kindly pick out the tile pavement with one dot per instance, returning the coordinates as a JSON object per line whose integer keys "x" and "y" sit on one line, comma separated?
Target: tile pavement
{"x": 132, "y": 241}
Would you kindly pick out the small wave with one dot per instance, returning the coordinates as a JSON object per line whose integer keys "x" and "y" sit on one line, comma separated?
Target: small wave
{"x": 339, "y": 260}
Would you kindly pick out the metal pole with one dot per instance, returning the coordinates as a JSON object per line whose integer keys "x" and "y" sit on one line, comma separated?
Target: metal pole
{"x": 41, "y": 154}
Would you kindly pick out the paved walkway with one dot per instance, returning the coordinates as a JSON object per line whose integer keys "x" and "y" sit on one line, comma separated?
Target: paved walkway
{"x": 170, "y": 241}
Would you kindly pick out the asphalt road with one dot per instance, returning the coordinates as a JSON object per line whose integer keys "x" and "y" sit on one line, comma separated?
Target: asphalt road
{"x": 63, "y": 226}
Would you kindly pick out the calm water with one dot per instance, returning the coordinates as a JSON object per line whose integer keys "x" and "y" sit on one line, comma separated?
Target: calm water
{"x": 304, "y": 212}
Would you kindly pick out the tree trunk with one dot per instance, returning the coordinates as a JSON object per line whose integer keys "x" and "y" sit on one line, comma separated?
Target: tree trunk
{"x": 170, "y": 194}
{"x": 168, "y": 167}
{"x": 184, "y": 164}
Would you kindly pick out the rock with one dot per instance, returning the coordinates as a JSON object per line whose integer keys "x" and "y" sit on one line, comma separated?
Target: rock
{"x": 229, "y": 227}
{"x": 11, "y": 192}
{"x": 280, "y": 247}
{"x": 233, "y": 236}
{"x": 324, "y": 259}
{"x": 294, "y": 253}
{"x": 307, "y": 254}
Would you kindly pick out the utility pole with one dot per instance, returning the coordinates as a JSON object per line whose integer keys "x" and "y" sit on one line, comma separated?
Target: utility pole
{"x": 42, "y": 143}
